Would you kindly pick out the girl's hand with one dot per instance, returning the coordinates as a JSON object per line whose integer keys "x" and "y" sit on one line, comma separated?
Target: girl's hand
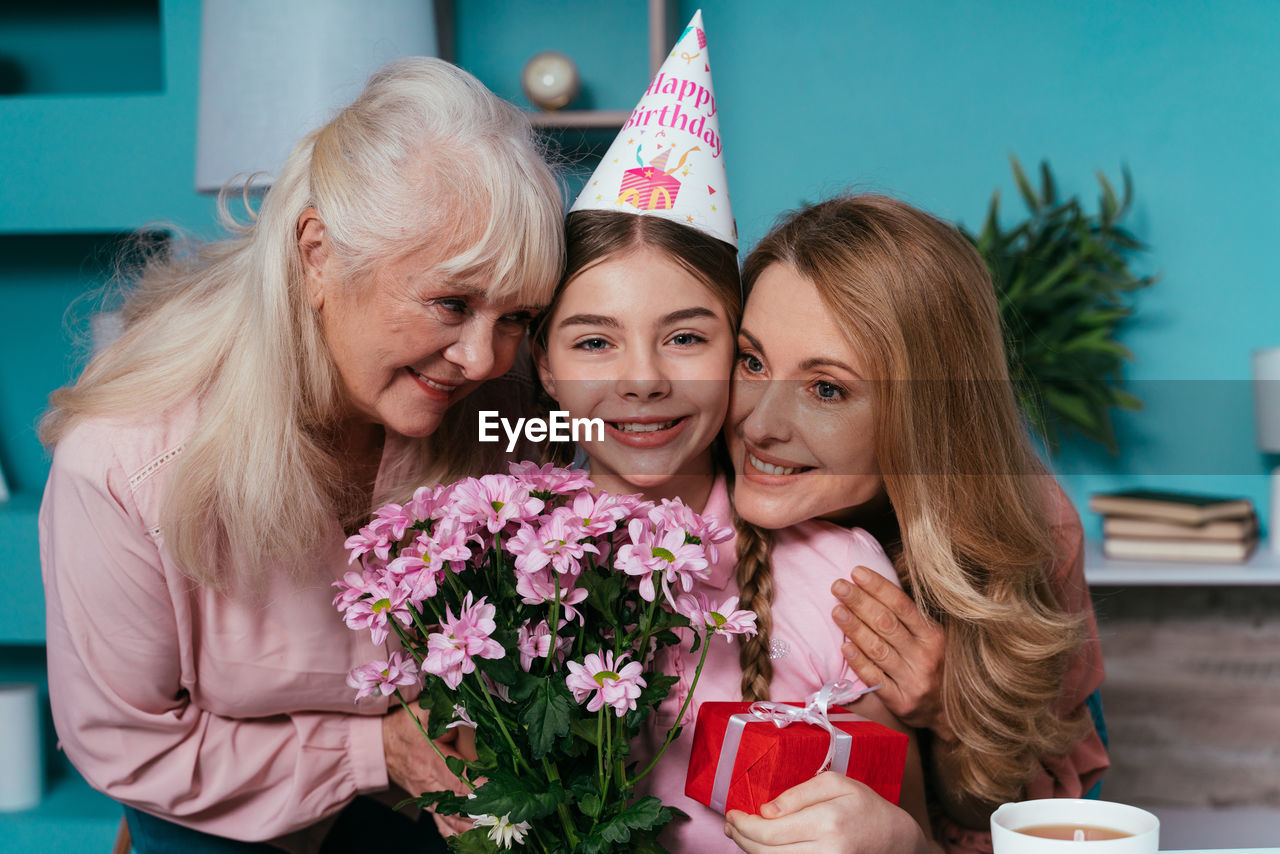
{"x": 894, "y": 645}
{"x": 830, "y": 814}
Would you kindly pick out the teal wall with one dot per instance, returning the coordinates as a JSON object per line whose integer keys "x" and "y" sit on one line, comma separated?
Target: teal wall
{"x": 924, "y": 100}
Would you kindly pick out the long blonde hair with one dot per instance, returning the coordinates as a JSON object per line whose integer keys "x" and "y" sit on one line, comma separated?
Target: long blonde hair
{"x": 966, "y": 487}
{"x": 425, "y": 153}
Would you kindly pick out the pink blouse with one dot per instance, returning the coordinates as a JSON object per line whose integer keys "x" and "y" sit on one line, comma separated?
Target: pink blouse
{"x": 806, "y": 643}
{"x": 228, "y": 714}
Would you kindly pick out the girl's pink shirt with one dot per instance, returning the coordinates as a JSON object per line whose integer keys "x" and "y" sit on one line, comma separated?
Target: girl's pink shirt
{"x": 226, "y": 713}
{"x": 807, "y": 559}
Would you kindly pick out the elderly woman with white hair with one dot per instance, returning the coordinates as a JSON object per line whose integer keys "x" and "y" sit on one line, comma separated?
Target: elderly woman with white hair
{"x": 267, "y": 391}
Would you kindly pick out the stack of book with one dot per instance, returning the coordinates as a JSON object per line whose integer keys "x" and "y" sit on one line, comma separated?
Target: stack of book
{"x": 1145, "y": 524}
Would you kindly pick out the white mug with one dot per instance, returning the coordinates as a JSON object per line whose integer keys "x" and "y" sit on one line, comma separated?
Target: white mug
{"x": 1143, "y": 827}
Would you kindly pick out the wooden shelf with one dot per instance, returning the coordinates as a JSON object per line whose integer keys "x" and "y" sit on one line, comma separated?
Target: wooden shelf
{"x": 1262, "y": 568}
{"x": 659, "y": 39}
{"x": 580, "y": 119}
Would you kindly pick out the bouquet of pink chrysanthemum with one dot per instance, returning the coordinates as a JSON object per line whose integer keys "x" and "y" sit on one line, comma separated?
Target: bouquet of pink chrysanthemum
{"x": 534, "y": 610}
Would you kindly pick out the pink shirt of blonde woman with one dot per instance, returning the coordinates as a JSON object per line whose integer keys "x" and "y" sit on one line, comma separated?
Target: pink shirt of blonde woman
{"x": 807, "y": 558}
{"x": 1073, "y": 775}
{"x": 226, "y": 713}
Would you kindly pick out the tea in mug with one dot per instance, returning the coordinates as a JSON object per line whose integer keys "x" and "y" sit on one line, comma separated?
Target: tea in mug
{"x": 1073, "y": 832}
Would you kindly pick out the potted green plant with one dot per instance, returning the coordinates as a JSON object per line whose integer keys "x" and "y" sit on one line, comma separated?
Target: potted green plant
{"x": 1063, "y": 282}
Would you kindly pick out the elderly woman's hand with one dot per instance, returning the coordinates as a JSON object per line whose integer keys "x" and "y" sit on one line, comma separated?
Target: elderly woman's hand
{"x": 892, "y": 644}
{"x": 830, "y": 814}
{"x": 414, "y": 766}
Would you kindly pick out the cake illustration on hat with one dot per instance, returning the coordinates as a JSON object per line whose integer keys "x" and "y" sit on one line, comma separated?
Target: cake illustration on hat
{"x": 668, "y": 159}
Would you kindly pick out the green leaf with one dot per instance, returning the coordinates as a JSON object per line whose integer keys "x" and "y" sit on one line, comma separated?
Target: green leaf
{"x": 1123, "y": 400}
{"x": 648, "y": 813}
{"x": 444, "y": 802}
{"x": 546, "y": 717}
{"x": 503, "y": 670}
{"x": 439, "y": 701}
{"x": 1072, "y": 407}
{"x": 525, "y": 685}
{"x": 1048, "y": 190}
{"x": 590, "y": 804}
{"x": 521, "y": 797}
{"x": 474, "y": 841}
{"x": 584, "y": 731}
{"x": 1024, "y": 186}
{"x": 457, "y": 766}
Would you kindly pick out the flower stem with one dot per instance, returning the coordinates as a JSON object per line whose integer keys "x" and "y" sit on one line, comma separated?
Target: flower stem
{"x": 406, "y": 641}
{"x": 642, "y": 648}
{"x": 497, "y": 716}
{"x": 434, "y": 746}
{"x": 566, "y": 820}
{"x": 600, "y": 747}
{"x": 537, "y": 834}
{"x": 422, "y": 626}
{"x": 706, "y": 645}
{"x": 607, "y": 745}
{"x": 555, "y": 626}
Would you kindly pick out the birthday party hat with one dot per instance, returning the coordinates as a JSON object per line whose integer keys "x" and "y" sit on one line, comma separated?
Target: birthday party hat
{"x": 668, "y": 159}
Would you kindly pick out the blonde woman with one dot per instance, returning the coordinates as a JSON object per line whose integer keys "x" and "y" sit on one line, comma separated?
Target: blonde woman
{"x": 268, "y": 391}
{"x": 872, "y": 390}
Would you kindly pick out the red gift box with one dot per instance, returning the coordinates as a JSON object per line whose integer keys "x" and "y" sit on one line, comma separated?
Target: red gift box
{"x": 741, "y": 761}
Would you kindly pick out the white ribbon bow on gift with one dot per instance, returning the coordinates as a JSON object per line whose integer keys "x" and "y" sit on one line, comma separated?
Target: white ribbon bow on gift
{"x": 814, "y": 711}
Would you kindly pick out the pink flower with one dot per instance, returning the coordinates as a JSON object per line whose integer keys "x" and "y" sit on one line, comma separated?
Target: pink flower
{"x": 600, "y": 514}
{"x": 493, "y": 501}
{"x": 421, "y": 565}
{"x": 450, "y": 651}
{"x": 600, "y": 678}
{"x": 391, "y": 521}
{"x": 700, "y": 530}
{"x": 386, "y": 599}
{"x": 725, "y": 620}
{"x": 383, "y": 677}
{"x": 368, "y": 541}
{"x": 666, "y": 553}
{"x": 548, "y": 478}
{"x": 427, "y": 502}
{"x": 536, "y": 643}
{"x": 556, "y": 541}
{"x": 538, "y": 587}
{"x": 352, "y": 587}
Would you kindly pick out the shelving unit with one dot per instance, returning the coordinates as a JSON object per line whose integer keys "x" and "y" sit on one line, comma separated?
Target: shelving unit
{"x": 100, "y": 140}
{"x": 659, "y": 38}
{"x": 580, "y": 119}
{"x": 1261, "y": 569}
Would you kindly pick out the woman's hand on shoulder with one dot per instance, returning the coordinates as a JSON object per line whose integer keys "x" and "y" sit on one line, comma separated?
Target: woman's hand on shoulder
{"x": 891, "y": 643}
{"x": 831, "y": 814}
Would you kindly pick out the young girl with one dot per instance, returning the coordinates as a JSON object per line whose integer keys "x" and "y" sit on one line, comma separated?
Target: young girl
{"x": 872, "y": 390}
{"x": 641, "y": 334}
